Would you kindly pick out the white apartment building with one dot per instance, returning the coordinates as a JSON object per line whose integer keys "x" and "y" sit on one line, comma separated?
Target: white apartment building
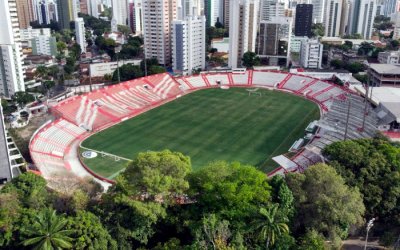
{"x": 120, "y": 12}
{"x": 319, "y": 7}
{"x": 333, "y": 17}
{"x": 93, "y": 8}
{"x": 29, "y": 33}
{"x": 215, "y": 11}
{"x": 80, "y": 33}
{"x": 395, "y": 18}
{"x": 11, "y": 70}
{"x": 188, "y": 44}
{"x": 157, "y": 21}
{"x": 295, "y": 43}
{"x": 242, "y": 29}
{"x": 389, "y": 57}
{"x": 361, "y": 17}
{"x": 101, "y": 69}
{"x": 311, "y": 54}
{"x": 44, "y": 45}
{"x": 271, "y": 8}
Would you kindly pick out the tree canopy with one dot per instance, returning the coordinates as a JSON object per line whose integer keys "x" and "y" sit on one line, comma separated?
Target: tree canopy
{"x": 324, "y": 202}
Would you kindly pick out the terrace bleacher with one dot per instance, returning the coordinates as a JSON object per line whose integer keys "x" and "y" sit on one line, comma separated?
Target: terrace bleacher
{"x": 79, "y": 116}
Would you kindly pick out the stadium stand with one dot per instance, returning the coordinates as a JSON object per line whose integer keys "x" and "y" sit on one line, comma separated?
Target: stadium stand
{"x": 80, "y": 116}
{"x": 240, "y": 78}
{"x": 266, "y": 78}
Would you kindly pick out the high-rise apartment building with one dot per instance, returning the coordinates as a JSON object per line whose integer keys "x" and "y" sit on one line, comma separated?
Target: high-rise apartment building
{"x": 44, "y": 45}
{"x": 80, "y": 33}
{"x": 65, "y": 10}
{"x": 271, "y": 8}
{"x": 188, "y": 44}
{"x": 333, "y": 16}
{"x": 303, "y": 20}
{"x": 390, "y": 7}
{"x": 214, "y": 11}
{"x": 93, "y": 8}
{"x": 319, "y": 7}
{"x": 135, "y": 16}
{"x": 120, "y": 12}
{"x": 361, "y": 17}
{"x": 274, "y": 39}
{"x": 226, "y": 14}
{"x": 242, "y": 29}
{"x": 25, "y": 13}
{"x": 311, "y": 54}
{"x": 157, "y": 19}
{"x": 395, "y": 18}
{"x": 11, "y": 70}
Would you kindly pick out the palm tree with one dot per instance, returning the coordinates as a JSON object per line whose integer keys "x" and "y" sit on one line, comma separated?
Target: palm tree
{"x": 269, "y": 225}
{"x": 47, "y": 232}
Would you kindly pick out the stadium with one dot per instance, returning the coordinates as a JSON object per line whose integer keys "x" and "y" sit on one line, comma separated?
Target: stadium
{"x": 94, "y": 133}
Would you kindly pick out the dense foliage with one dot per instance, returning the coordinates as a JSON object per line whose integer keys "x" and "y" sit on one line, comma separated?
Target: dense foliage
{"x": 373, "y": 167}
{"x": 158, "y": 202}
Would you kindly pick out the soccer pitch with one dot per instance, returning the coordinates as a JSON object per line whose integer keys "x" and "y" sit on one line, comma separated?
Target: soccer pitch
{"x": 209, "y": 125}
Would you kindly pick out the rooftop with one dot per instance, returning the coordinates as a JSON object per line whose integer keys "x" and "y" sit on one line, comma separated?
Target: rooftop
{"x": 385, "y": 68}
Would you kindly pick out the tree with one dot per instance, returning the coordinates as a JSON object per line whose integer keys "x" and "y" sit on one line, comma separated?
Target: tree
{"x": 31, "y": 189}
{"x": 312, "y": 241}
{"x": 233, "y": 192}
{"x": 155, "y": 69}
{"x": 127, "y": 72}
{"x": 9, "y": 214}
{"x": 158, "y": 174}
{"x": 318, "y": 29}
{"x": 41, "y": 71}
{"x": 75, "y": 51}
{"x": 324, "y": 202}
{"x": 125, "y": 30}
{"x": 22, "y": 98}
{"x": 366, "y": 49}
{"x": 250, "y": 59}
{"x": 372, "y": 165}
{"x": 48, "y": 232}
{"x": 354, "y": 67}
{"x": 149, "y": 185}
{"x": 61, "y": 47}
{"x": 269, "y": 225}
{"x": 89, "y": 233}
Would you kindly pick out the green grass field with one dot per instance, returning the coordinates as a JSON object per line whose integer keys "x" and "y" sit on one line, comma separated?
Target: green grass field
{"x": 209, "y": 125}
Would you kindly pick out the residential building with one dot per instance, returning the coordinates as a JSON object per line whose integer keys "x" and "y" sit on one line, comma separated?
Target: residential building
{"x": 346, "y": 5}
{"x": 311, "y": 54}
{"x": 361, "y": 17}
{"x": 120, "y": 12}
{"x": 65, "y": 10}
{"x": 44, "y": 45}
{"x": 25, "y": 13}
{"x": 214, "y": 11}
{"x": 188, "y": 44}
{"x": 274, "y": 40}
{"x": 389, "y": 57}
{"x": 135, "y": 16}
{"x": 384, "y": 74}
{"x": 29, "y": 33}
{"x": 333, "y": 17}
{"x": 395, "y": 18}
{"x": 303, "y": 20}
{"x": 5, "y": 164}
{"x": 242, "y": 29}
{"x": 80, "y": 33}
{"x": 157, "y": 19}
{"x": 390, "y": 7}
{"x": 271, "y": 8}
{"x": 226, "y": 14}
{"x": 295, "y": 43}
{"x": 319, "y": 7}
{"x": 11, "y": 70}
{"x": 84, "y": 6}
{"x": 108, "y": 68}
{"x": 93, "y": 8}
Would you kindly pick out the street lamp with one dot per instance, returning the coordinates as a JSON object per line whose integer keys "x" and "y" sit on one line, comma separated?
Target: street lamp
{"x": 369, "y": 226}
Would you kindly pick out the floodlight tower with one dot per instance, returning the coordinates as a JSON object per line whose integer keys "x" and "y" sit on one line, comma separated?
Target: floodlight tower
{"x": 369, "y": 226}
